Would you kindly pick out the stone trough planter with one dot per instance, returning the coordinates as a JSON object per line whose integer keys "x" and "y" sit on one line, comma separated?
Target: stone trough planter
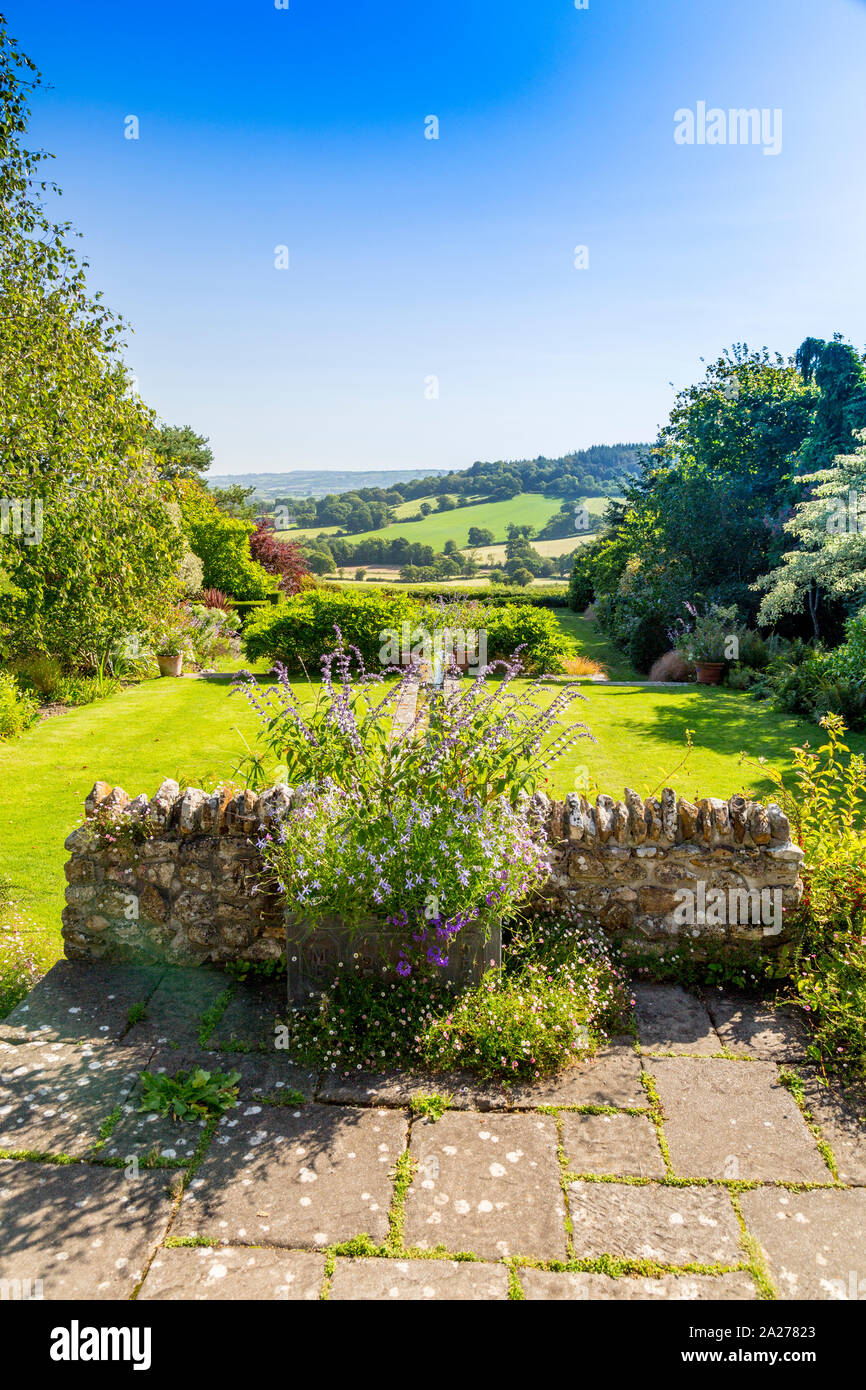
{"x": 316, "y": 955}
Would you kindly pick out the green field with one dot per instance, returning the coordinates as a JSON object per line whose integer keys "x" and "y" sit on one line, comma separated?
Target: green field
{"x": 528, "y": 508}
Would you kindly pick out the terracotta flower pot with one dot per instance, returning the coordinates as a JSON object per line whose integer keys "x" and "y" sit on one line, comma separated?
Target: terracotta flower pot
{"x": 709, "y": 672}
{"x": 170, "y": 665}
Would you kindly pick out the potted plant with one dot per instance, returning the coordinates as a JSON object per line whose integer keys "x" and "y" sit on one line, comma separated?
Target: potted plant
{"x": 707, "y": 643}
{"x": 170, "y": 659}
{"x": 404, "y": 853}
{"x": 173, "y": 644}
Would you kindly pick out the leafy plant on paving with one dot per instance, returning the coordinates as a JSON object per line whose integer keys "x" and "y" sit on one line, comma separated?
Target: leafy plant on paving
{"x": 561, "y": 992}
{"x": 190, "y": 1095}
{"x": 430, "y": 1107}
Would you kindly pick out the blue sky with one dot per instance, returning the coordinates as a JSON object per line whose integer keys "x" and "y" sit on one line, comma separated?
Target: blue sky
{"x": 452, "y": 258}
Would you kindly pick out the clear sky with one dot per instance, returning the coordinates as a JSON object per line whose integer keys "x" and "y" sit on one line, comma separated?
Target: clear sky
{"x": 412, "y": 258}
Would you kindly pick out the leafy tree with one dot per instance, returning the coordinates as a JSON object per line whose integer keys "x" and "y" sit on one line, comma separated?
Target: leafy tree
{"x": 180, "y": 452}
{"x": 824, "y": 567}
{"x": 481, "y": 535}
{"x": 234, "y": 501}
{"x": 829, "y": 525}
{"x": 839, "y": 372}
{"x": 223, "y": 545}
{"x": 581, "y": 585}
{"x": 71, "y": 431}
{"x": 519, "y": 554}
{"x": 320, "y": 562}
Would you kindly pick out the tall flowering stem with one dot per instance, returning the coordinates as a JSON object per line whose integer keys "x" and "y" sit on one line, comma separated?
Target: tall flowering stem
{"x": 429, "y": 831}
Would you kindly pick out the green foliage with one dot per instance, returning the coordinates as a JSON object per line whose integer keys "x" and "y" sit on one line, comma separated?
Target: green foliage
{"x": 85, "y": 690}
{"x": 71, "y": 430}
{"x": 47, "y": 677}
{"x": 700, "y": 522}
{"x": 804, "y": 678}
{"x": 828, "y": 558}
{"x": 581, "y": 584}
{"x": 708, "y": 636}
{"x": 40, "y": 673}
{"x": 20, "y": 966}
{"x": 521, "y": 575}
{"x": 494, "y": 595}
{"x": 480, "y": 743}
{"x": 827, "y": 962}
{"x": 522, "y": 558}
{"x": 235, "y": 501}
{"x": 430, "y": 1107}
{"x": 561, "y": 992}
{"x": 190, "y": 1095}
{"x": 180, "y": 452}
{"x": 223, "y": 545}
{"x": 18, "y": 709}
{"x": 531, "y": 631}
{"x": 298, "y": 632}
{"x": 703, "y": 964}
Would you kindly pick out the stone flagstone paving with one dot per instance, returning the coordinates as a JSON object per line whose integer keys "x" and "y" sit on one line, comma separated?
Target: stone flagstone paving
{"x": 678, "y": 1166}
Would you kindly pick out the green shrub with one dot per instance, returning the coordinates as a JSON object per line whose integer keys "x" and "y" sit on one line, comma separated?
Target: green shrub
{"x": 222, "y": 543}
{"x": 535, "y": 629}
{"x": 741, "y": 677}
{"x": 756, "y": 651}
{"x": 803, "y": 678}
{"x": 499, "y": 595}
{"x": 40, "y": 673}
{"x": 581, "y": 585}
{"x": 827, "y": 959}
{"x": 85, "y": 690}
{"x": 559, "y": 993}
{"x": 300, "y": 630}
{"x": 18, "y": 709}
{"x": 20, "y": 964}
{"x": 647, "y": 641}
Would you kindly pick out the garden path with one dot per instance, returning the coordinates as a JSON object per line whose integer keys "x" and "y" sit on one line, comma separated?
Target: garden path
{"x": 681, "y": 1163}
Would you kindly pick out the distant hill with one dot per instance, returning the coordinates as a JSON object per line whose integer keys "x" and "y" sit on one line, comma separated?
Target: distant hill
{"x": 364, "y": 501}
{"x": 300, "y": 483}
{"x": 599, "y": 471}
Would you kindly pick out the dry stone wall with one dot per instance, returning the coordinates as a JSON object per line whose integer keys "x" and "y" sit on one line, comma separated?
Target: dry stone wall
{"x": 655, "y": 870}
{"x": 176, "y": 877}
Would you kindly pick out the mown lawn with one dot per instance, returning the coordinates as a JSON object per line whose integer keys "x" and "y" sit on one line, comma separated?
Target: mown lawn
{"x": 588, "y": 640}
{"x": 188, "y": 729}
